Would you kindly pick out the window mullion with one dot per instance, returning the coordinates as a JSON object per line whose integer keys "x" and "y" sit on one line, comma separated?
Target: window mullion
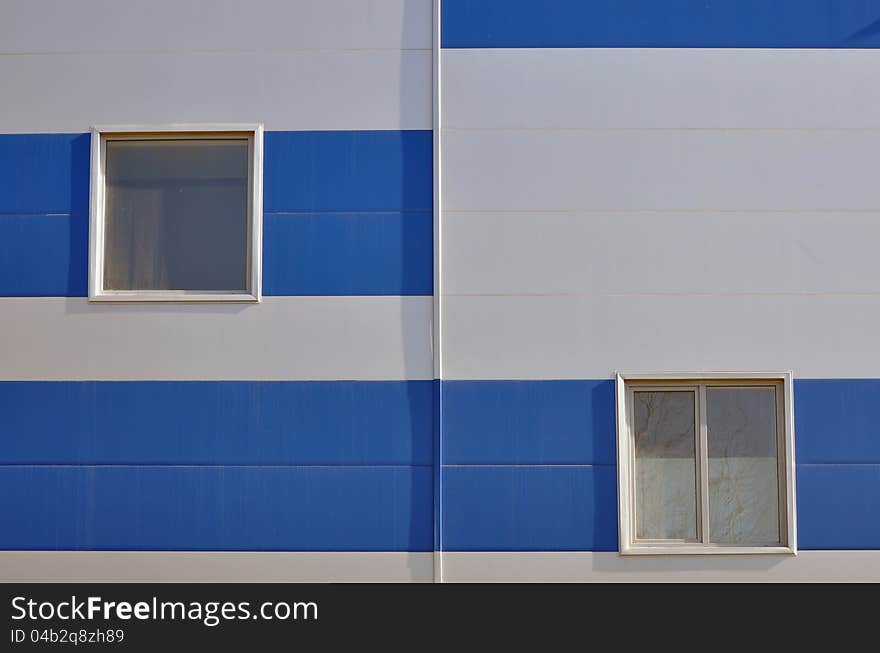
{"x": 703, "y": 465}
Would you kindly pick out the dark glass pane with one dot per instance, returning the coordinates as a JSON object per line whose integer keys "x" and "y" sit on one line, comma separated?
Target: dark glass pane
{"x": 176, "y": 215}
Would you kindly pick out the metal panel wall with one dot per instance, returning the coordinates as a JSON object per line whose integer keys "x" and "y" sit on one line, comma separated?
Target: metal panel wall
{"x": 649, "y": 186}
{"x": 304, "y": 423}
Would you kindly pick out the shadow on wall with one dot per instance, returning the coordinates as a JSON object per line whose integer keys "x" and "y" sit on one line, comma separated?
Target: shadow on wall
{"x": 602, "y": 403}
{"x": 416, "y": 340}
{"x": 638, "y": 566}
{"x": 678, "y": 567}
{"x": 868, "y": 31}
{"x": 78, "y": 221}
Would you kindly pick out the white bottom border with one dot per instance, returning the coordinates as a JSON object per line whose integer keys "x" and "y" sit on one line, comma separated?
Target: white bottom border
{"x": 590, "y": 567}
{"x": 404, "y": 567}
{"x": 214, "y": 567}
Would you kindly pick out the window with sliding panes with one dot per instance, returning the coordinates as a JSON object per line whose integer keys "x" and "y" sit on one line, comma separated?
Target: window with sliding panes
{"x": 705, "y": 465}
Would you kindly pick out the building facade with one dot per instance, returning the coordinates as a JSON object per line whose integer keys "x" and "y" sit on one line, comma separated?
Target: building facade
{"x": 529, "y": 291}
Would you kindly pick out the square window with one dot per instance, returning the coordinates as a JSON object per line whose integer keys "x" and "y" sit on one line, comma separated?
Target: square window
{"x": 705, "y": 463}
{"x": 176, "y": 213}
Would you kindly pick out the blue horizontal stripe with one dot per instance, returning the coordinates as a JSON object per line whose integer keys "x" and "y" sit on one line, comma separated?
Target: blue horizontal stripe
{"x": 573, "y": 422}
{"x": 216, "y": 508}
{"x": 838, "y": 506}
{"x": 347, "y": 213}
{"x": 219, "y": 422}
{"x": 836, "y": 421}
{"x": 44, "y": 255}
{"x": 508, "y": 508}
{"x": 44, "y": 173}
{"x": 529, "y": 422}
{"x": 348, "y": 171}
{"x": 535, "y": 423}
{"x": 348, "y": 253}
{"x": 661, "y": 23}
{"x": 530, "y": 508}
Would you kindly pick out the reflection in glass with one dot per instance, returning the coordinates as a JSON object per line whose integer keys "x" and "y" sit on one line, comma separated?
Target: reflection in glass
{"x": 743, "y": 487}
{"x": 665, "y": 468}
{"x": 176, "y": 215}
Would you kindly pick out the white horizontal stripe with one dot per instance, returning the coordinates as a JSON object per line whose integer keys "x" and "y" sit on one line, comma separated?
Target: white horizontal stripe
{"x": 587, "y": 567}
{"x": 99, "y": 25}
{"x": 528, "y": 566}
{"x": 214, "y": 567}
{"x": 686, "y": 252}
{"x": 592, "y": 336}
{"x": 661, "y": 170}
{"x": 283, "y": 338}
{"x": 308, "y": 90}
{"x": 625, "y": 87}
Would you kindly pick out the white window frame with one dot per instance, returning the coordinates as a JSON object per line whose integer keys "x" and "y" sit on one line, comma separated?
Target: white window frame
{"x": 626, "y": 383}
{"x": 101, "y": 134}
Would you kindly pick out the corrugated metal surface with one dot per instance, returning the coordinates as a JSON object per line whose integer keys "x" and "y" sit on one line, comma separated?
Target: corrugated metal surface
{"x": 625, "y": 186}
